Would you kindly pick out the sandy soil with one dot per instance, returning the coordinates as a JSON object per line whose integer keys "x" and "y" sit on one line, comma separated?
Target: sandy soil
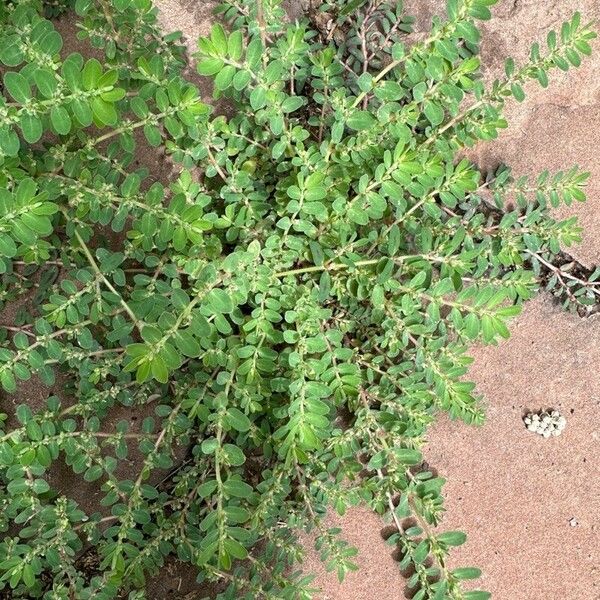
{"x": 515, "y": 494}
{"x": 530, "y": 506}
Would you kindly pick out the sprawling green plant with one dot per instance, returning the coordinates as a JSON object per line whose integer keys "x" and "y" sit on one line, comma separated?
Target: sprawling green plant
{"x": 288, "y": 314}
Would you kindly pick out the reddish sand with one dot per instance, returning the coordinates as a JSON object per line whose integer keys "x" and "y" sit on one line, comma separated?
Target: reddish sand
{"x": 514, "y": 493}
{"x": 530, "y": 506}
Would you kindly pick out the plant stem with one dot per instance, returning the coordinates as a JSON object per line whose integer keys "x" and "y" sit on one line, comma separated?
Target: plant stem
{"x": 359, "y": 263}
{"x": 560, "y": 273}
{"x": 333, "y": 267}
{"x": 108, "y": 284}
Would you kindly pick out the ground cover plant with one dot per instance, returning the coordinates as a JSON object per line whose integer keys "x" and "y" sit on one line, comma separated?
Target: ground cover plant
{"x": 289, "y": 313}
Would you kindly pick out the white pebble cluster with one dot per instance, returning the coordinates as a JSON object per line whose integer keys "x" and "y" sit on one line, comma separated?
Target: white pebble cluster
{"x": 546, "y": 423}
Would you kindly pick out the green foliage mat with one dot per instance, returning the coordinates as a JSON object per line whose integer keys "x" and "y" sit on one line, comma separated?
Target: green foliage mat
{"x": 292, "y": 310}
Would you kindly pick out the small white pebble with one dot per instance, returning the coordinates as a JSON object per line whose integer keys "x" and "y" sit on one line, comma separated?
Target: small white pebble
{"x": 573, "y": 522}
{"x": 546, "y": 423}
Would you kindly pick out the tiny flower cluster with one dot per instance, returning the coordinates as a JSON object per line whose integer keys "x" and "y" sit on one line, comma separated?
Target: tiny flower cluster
{"x": 546, "y": 424}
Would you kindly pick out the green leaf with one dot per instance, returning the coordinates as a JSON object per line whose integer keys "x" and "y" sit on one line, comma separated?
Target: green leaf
{"x": 235, "y": 45}
{"x": 82, "y": 112}
{"x": 26, "y": 190}
{"x": 466, "y": 573}
{"x": 104, "y": 112}
{"x": 237, "y": 488}
{"x": 186, "y": 344}
{"x": 477, "y": 595}
{"x": 113, "y": 95}
{"x": 40, "y": 486}
{"x": 408, "y": 456}
{"x": 210, "y": 66}
{"x": 434, "y": 113}
{"x": 225, "y": 77}
{"x": 7, "y": 246}
{"x": 219, "y": 39}
{"x": 9, "y": 142}
{"x": 18, "y": 486}
{"x": 390, "y": 91}
{"x": 71, "y": 71}
{"x": 108, "y": 79}
{"x": 38, "y": 223}
{"x": 46, "y": 82}
{"x": 517, "y": 92}
{"x": 7, "y": 379}
{"x": 28, "y": 575}
{"x": 91, "y": 74}
{"x": 487, "y": 327}
{"x": 153, "y": 135}
{"x": 378, "y": 297}
{"x": 258, "y": 98}
{"x": 365, "y": 82}
{"x": 360, "y": 120}
{"x": 292, "y": 104}
{"x": 60, "y": 120}
{"x": 159, "y": 370}
{"x": 17, "y": 86}
{"x": 219, "y": 301}
{"x": 139, "y": 107}
{"x": 238, "y": 420}
{"x": 52, "y": 43}
{"x": 31, "y": 127}
{"x": 241, "y": 79}
{"x": 11, "y": 53}
{"x": 235, "y": 549}
{"x": 452, "y": 538}
{"x": 22, "y": 232}
{"x": 378, "y": 460}
{"x": 43, "y": 456}
{"x": 23, "y": 414}
{"x": 93, "y": 473}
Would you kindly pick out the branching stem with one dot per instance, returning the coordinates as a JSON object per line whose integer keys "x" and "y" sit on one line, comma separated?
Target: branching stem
{"x": 138, "y": 324}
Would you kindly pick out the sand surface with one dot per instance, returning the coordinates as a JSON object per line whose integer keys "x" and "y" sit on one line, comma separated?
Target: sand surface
{"x": 530, "y": 507}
